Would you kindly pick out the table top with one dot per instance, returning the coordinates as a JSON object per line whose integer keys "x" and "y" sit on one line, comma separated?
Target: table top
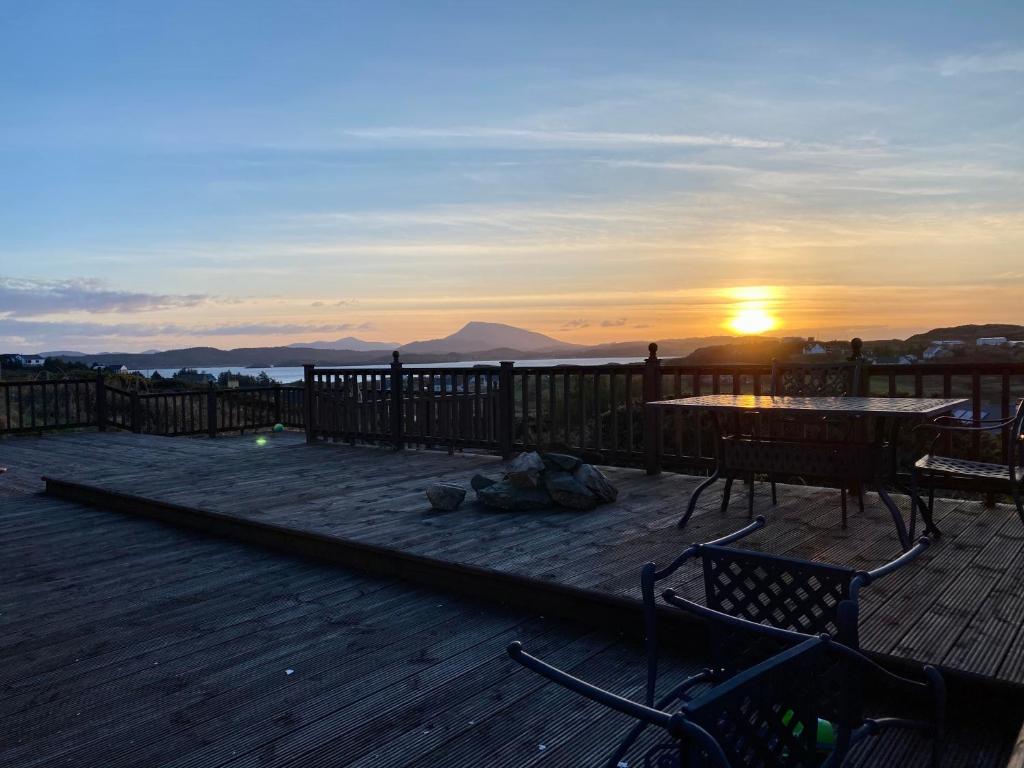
{"x": 868, "y": 406}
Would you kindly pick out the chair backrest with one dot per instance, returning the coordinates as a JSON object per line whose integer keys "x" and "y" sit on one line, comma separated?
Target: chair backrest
{"x": 768, "y": 714}
{"x": 1016, "y": 445}
{"x": 783, "y": 592}
{"x": 816, "y": 379}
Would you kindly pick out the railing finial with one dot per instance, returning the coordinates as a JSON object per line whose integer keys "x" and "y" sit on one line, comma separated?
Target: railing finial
{"x": 653, "y": 349}
{"x": 394, "y": 355}
{"x": 856, "y": 344}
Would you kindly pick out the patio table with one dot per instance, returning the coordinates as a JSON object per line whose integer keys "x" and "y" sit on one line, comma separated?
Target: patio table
{"x": 862, "y": 461}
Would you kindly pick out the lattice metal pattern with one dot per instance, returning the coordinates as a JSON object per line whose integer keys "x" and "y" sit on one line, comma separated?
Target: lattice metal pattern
{"x": 768, "y": 716}
{"x": 968, "y": 469}
{"x": 781, "y": 592}
{"x": 840, "y": 380}
{"x": 832, "y": 460}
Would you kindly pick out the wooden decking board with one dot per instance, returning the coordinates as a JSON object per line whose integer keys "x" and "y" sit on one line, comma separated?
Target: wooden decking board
{"x": 599, "y": 551}
{"x": 374, "y": 662}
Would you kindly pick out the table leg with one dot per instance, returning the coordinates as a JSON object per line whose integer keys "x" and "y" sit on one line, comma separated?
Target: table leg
{"x": 692, "y": 504}
{"x": 897, "y": 516}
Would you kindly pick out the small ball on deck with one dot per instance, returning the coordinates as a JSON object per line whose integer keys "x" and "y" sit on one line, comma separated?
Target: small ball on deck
{"x": 279, "y": 427}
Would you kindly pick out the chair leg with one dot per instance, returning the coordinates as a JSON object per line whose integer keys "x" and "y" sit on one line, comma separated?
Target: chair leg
{"x": 750, "y": 499}
{"x": 725, "y": 494}
{"x": 1019, "y": 502}
{"x": 842, "y": 504}
{"x": 775, "y": 498}
{"x": 860, "y": 497}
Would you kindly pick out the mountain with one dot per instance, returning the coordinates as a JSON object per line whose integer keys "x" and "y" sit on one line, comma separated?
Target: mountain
{"x": 478, "y": 337}
{"x": 350, "y": 343}
{"x": 968, "y": 333}
{"x": 66, "y": 353}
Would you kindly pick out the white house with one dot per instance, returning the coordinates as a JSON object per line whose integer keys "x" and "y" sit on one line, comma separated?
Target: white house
{"x": 33, "y": 361}
{"x": 991, "y": 341}
{"x": 814, "y": 349}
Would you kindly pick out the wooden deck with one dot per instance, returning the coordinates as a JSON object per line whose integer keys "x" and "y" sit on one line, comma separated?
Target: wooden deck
{"x": 126, "y": 639}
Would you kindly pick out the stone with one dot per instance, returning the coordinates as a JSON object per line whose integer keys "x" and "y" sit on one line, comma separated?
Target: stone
{"x": 560, "y": 461}
{"x": 445, "y": 496}
{"x": 479, "y": 482}
{"x": 525, "y": 470}
{"x": 505, "y": 495}
{"x": 566, "y": 491}
{"x": 593, "y": 479}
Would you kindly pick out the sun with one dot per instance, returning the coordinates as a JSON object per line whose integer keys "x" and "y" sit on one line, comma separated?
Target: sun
{"x": 751, "y": 320}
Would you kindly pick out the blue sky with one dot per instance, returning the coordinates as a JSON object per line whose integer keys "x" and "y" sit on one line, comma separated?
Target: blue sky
{"x": 236, "y": 173}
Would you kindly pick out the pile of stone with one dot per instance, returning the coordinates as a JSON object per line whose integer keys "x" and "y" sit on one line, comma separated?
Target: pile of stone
{"x": 533, "y": 481}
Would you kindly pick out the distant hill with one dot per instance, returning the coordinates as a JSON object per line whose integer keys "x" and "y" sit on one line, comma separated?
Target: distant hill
{"x": 350, "y": 343}
{"x": 755, "y": 350}
{"x": 968, "y": 333}
{"x": 65, "y": 353}
{"x": 666, "y": 347}
{"x": 477, "y": 336}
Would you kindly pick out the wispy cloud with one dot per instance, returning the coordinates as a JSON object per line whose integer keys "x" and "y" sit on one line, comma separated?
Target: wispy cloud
{"x": 33, "y": 298}
{"x": 982, "y": 63}
{"x": 44, "y": 331}
{"x": 564, "y": 137}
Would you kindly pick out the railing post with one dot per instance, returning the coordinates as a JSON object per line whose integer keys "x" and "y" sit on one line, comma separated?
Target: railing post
{"x": 856, "y": 347}
{"x": 396, "y": 401}
{"x": 652, "y": 415}
{"x": 506, "y": 409}
{"x": 101, "y": 403}
{"x": 135, "y": 415}
{"x": 277, "y": 405}
{"x": 307, "y": 401}
{"x": 211, "y": 410}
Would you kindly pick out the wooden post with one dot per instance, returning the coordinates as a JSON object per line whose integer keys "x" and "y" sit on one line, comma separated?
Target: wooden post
{"x": 101, "y": 403}
{"x": 506, "y": 409}
{"x": 211, "y": 410}
{"x": 396, "y": 401}
{"x": 277, "y": 405}
{"x": 307, "y": 401}
{"x": 136, "y": 415}
{"x": 652, "y": 415}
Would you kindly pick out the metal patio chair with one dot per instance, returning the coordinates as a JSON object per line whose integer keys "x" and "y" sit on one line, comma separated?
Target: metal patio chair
{"x": 773, "y": 714}
{"x": 813, "y": 380}
{"x": 933, "y": 471}
{"x": 800, "y": 596}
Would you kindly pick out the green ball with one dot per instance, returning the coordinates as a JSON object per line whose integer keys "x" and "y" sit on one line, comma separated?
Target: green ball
{"x": 279, "y": 427}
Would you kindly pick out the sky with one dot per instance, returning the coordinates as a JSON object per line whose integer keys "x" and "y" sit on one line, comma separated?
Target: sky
{"x": 247, "y": 173}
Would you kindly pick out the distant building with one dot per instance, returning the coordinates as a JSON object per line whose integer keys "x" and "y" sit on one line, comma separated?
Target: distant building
{"x": 992, "y": 341}
{"x": 33, "y": 361}
{"x": 17, "y": 360}
{"x": 110, "y": 368}
{"x": 815, "y": 349}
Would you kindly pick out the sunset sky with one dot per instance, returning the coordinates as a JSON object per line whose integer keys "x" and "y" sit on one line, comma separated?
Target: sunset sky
{"x": 250, "y": 173}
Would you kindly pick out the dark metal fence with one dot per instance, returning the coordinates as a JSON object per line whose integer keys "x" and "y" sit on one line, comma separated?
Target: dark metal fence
{"x": 597, "y": 410}
{"x": 33, "y": 406}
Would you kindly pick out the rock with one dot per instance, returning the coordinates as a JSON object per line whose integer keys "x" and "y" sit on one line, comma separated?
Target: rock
{"x": 505, "y": 495}
{"x": 591, "y": 478}
{"x": 525, "y": 470}
{"x": 445, "y": 496}
{"x": 479, "y": 482}
{"x": 560, "y": 461}
{"x": 566, "y": 491}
